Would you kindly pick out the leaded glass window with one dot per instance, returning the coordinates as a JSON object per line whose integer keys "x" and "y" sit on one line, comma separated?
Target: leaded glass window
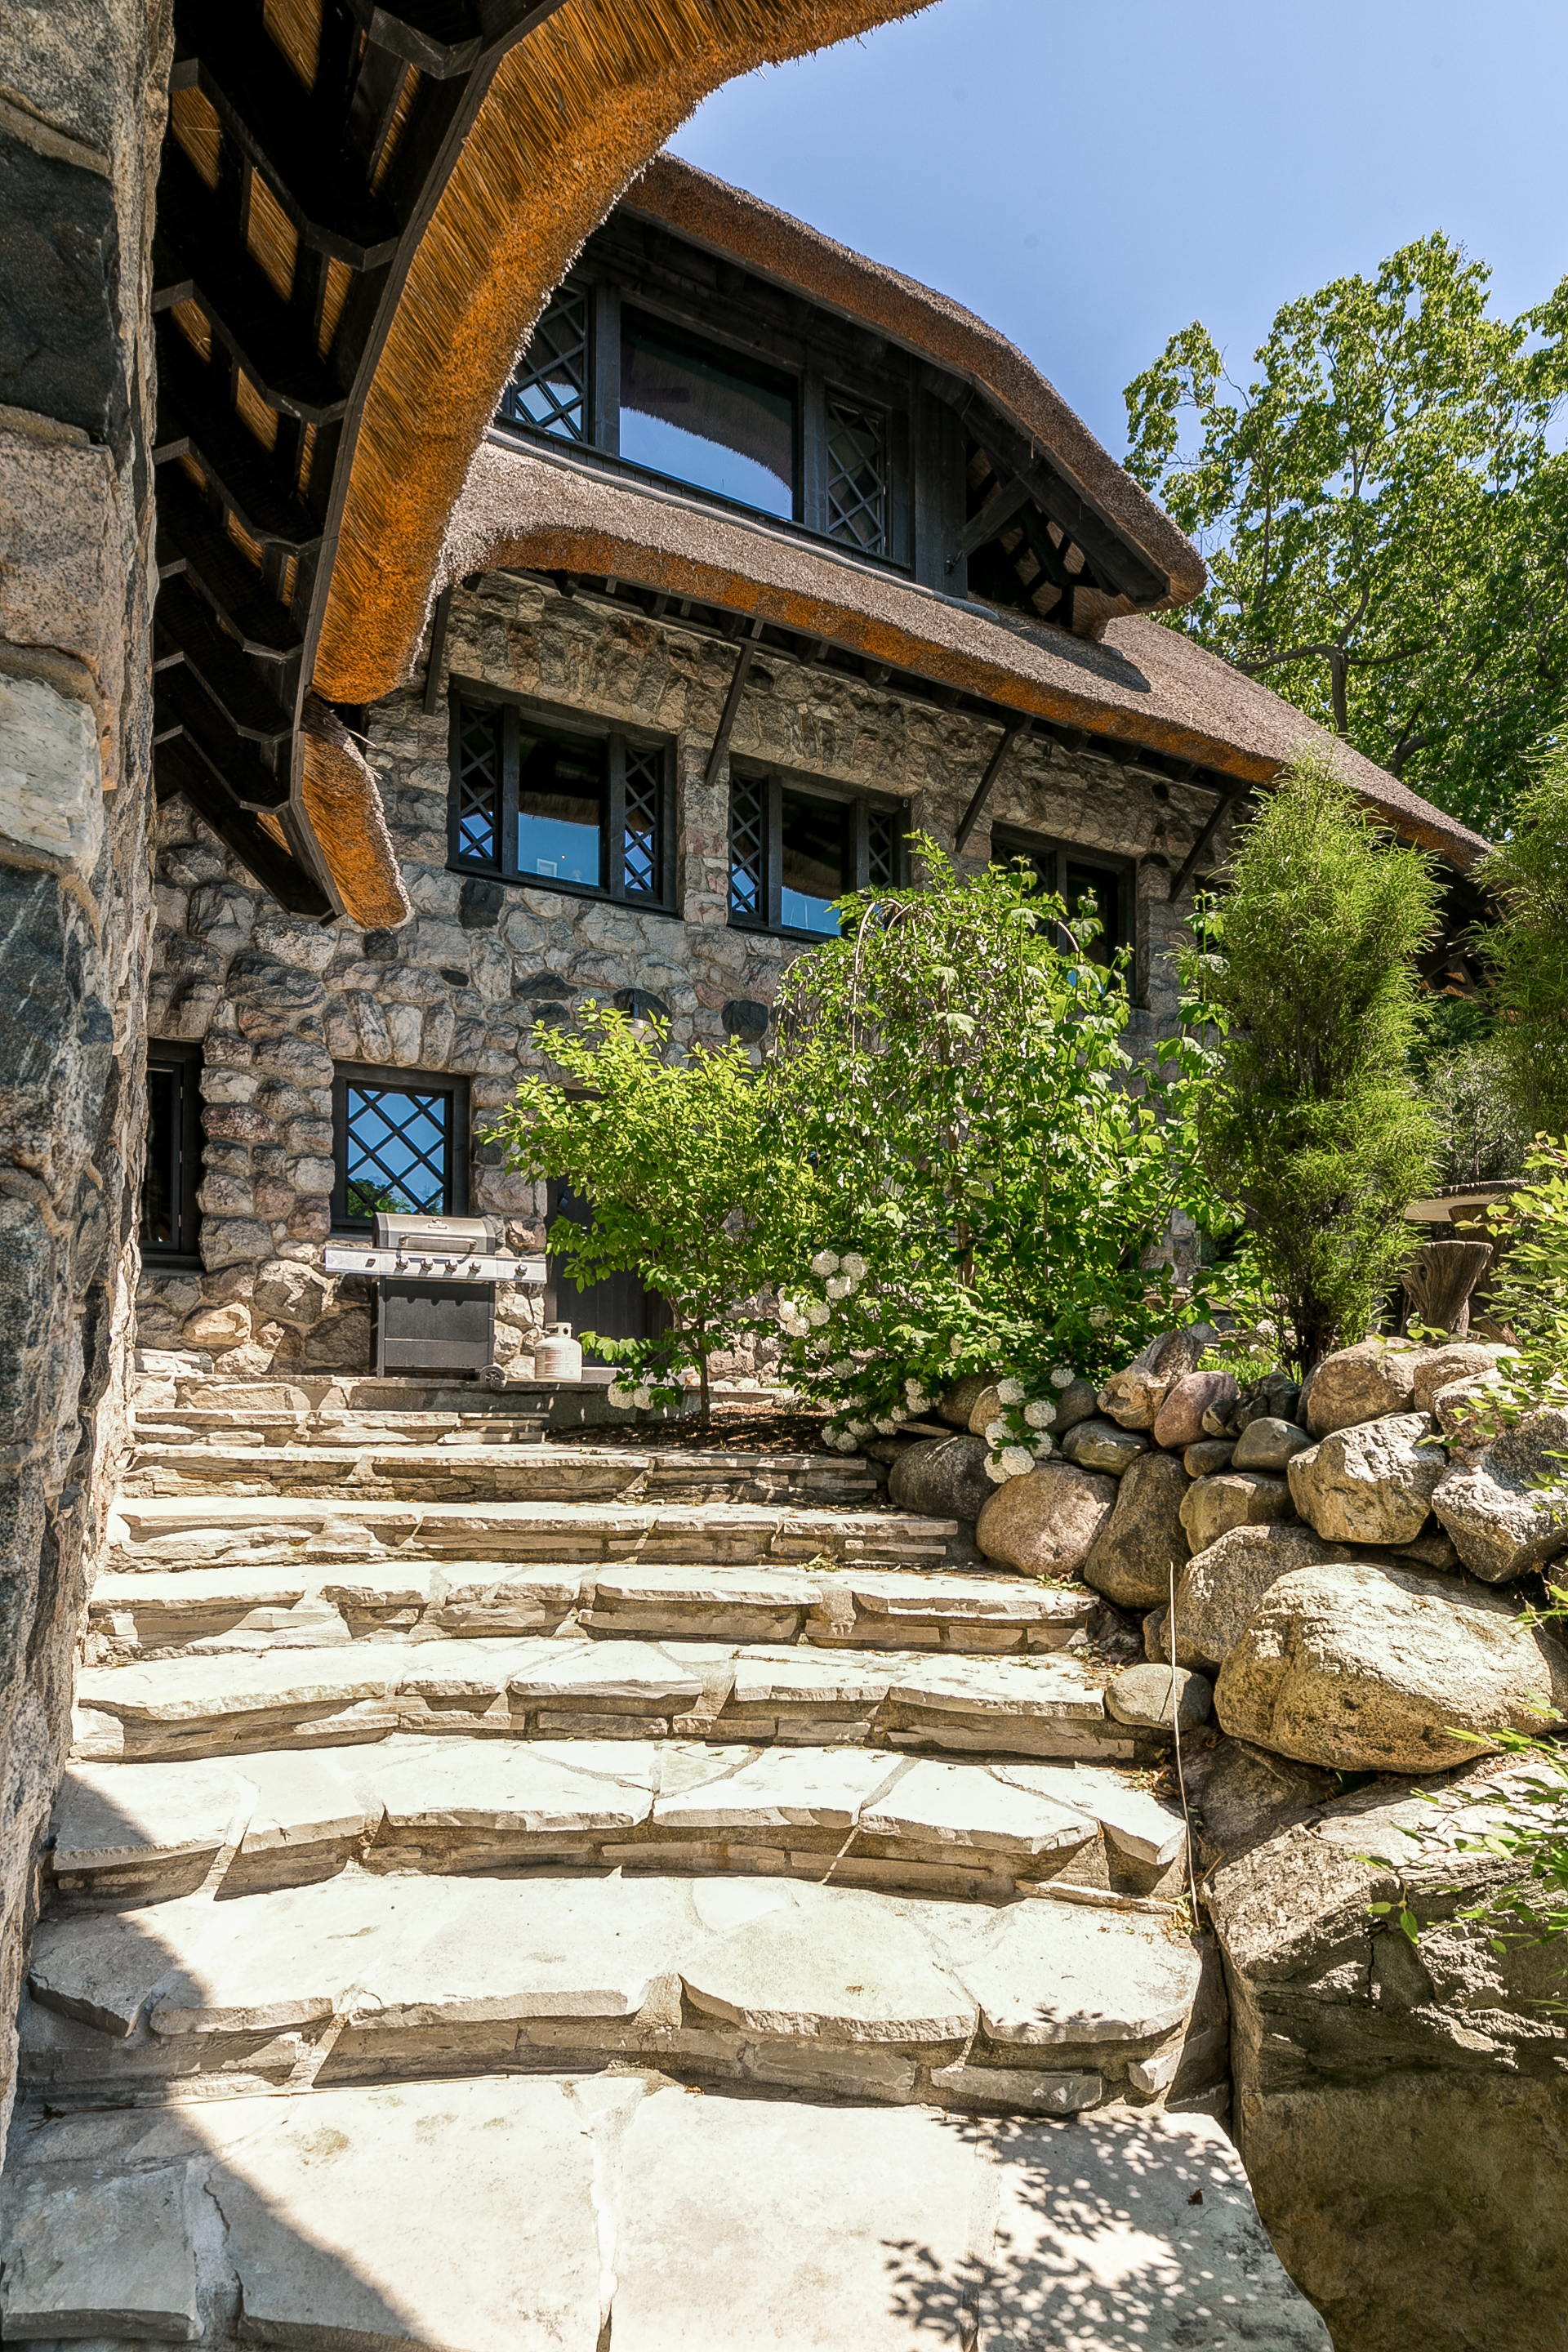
{"x": 798, "y": 844}
{"x": 398, "y": 1154}
{"x": 857, "y": 477}
{"x": 642, "y": 843}
{"x": 559, "y": 801}
{"x": 881, "y": 850}
{"x": 748, "y": 851}
{"x": 550, "y": 390}
{"x": 478, "y": 785}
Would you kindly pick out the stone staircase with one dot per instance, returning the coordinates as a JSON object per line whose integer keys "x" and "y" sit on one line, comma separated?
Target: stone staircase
{"x": 448, "y": 1807}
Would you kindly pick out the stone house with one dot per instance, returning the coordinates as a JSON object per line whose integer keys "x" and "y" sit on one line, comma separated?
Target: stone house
{"x": 769, "y": 559}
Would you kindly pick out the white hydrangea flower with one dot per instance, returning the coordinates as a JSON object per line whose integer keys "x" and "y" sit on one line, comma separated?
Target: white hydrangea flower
{"x": 1010, "y": 1392}
{"x": 884, "y": 1428}
{"x": 858, "y": 1428}
{"x": 898, "y": 1413}
{"x": 998, "y": 1432}
{"x": 619, "y": 1395}
{"x": 1043, "y": 1445}
{"x": 1063, "y": 1376}
{"x": 842, "y": 1368}
{"x": 847, "y": 1442}
{"x": 1018, "y": 1461}
{"x": 1099, "y": 1317}
{"x": 997, "y": 1474}
{"x": 824, "y": 1263}
{"x": 785, "y": 1309}
{"x": 836, "y": 1287}
{"x": 816, "y": 1314}
{"x": 1040, "y": 1413}
{"x": 955, "y": 1345}
{"x": 855, "y": 1266}
{"x": 642, "y": 1396}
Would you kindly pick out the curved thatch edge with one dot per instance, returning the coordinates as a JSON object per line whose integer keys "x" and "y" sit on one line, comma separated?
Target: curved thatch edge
{"x": 1145, "y": 683}
{"x": 726, "y": 220}
{"x": 574, "y": 112}
{"x": 343, "y": 805}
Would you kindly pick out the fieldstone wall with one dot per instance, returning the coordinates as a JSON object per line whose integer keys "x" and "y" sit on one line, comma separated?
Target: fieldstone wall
{"x": 82, "y": 87}
{"x": 277, "y": 1002}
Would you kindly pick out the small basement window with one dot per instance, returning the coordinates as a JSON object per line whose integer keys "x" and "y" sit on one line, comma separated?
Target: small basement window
{"x": 795, "y": 845}
{"x": 562, "y": 808}
{"x": 171, "y": 1221}
{"x": 706, "y": 416}
{"x": 1074, "y": 875}
{"x": 401, "y": 1142}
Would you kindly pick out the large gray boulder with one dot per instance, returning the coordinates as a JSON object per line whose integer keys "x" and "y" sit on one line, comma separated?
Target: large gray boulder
{"x": 1241, "y": 1796}
{"x": 941, "y": 1478}
{"x": 1158, "y": 1698}
{"x": 1143, "y": 1539}
{"x": 1367, "y": 1668}
{"x": 1180, "y": 1420}
{"x": 1232, "y": 1499}
{"x": 1134, "y": 1396}
{"x": 1371, "y": 1483}
{"x": 1102, "y": 1446}
{"x": 1507, "y": 1512}
{"x": 1046, "y": 1522}
{"x": 1270, "y": 1444}
{"x": 1399, "y": 2109}
{"x": 1360, "y": 1383}
{"x": 1218, "y": 1590}
{"x": 1460, "y": 1359}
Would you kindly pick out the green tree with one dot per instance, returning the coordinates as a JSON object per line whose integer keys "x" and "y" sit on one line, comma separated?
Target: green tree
{"x": 994, "y": 1170}
{"x": 1385, "y": 523}
{"x": 1311, "y": 1126}
{"x": 686, "y": 1190}
{"x": 1527, "y": 950}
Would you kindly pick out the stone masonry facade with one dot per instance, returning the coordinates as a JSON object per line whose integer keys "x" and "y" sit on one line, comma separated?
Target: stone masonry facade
{"x": 276, "y": 1003}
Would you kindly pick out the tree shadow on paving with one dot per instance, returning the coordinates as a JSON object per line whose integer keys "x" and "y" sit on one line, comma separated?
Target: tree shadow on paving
{"x": 1103, "y": 2236}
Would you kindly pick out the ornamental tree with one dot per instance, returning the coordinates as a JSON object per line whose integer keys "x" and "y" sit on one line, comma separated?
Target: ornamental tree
{"x": 994, "y": 1172}
{"x": 1527, "y": 951}
{"x": 686, "y": 1189}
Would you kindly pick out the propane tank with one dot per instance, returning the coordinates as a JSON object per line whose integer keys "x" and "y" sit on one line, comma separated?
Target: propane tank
{"x": 557, "y": 1356}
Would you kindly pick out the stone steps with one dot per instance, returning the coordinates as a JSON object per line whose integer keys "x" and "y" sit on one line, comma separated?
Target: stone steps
{"x": 159, "y": 1612}
{"x": 585, "y": 2212}
{"x": 819, "y": 1989}
{"x": 461, "y": 1468}
{"x": 268, "y": 1529}
{"x": 146, "y": 1832}
{"x": 1043, "y": 1705}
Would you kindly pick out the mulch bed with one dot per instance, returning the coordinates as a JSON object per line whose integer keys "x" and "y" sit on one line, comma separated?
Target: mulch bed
{"x": 734, "y": 1429}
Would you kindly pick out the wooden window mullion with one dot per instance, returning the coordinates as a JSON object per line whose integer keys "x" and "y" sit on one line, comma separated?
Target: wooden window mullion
{"x": 612, "y": 855}
{"x": 506, "y": 847}
{"x": 860, "y": 853}
{"x": 772, "y": 879}
{"x": 604, "y": 369}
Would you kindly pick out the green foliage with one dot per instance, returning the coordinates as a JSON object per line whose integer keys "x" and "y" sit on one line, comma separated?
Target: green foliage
{"x": 1527, "y": 950}
{"x": 1457, "y": 1064}
{"x": 686, "y": 1190}
{"x": 1309, "y": 1125}
{"x": 1529, "y": 1289}
{"x": 1385, "y": 520}
{"x": 992, "y": 1170}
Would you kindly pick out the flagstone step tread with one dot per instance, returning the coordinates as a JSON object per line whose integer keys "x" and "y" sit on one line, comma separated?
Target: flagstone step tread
{"x": 207, "y": 1530}
{"x": 159, "y": 1611}
{"x": 616, "y": 2209}
{"x": 188, "y": 1706}
{"x": 375, "y": 1978}
{"x": 145, "y": 1833}
{"x": 539, "y": 1470}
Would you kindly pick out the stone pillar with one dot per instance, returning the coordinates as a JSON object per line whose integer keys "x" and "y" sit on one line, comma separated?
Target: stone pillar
{"x": 82, "y": 97}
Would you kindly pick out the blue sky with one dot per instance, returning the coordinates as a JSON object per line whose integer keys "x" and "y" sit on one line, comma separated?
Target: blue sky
{"x": 1089, "y": 180}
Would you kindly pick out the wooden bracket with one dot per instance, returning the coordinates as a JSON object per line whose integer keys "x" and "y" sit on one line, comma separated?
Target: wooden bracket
{"x": 716, "y": 757}
{"x": 971, "y": 817}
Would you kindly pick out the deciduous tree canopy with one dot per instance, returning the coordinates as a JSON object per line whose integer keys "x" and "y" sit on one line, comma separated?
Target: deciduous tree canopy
{"x": 1385, "y": 518}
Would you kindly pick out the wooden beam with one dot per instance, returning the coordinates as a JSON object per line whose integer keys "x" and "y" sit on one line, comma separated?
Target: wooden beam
{"x": 181, "y": 706}
{"x": 971, "y": 817}
{"x": 998, "y": 510}
{"x": 194, "y": 413}
{"x": 179, "y": 774}
{"x": 731, "y": 705}
{"x": 438, "y": 625}
{"x": 1190, "y": 863}
{"x": 184, "y": 628}
{"x": 191, "y": 539}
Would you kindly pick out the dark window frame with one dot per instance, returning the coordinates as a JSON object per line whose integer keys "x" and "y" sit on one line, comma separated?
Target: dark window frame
{"x": 181, "y": 1055}
{"x": 623, "y": 744}
{"x": 748, "y": 362}
{"x": 572, "y": 290}
{"x": 1011, "y": 841}
{"x": 772, "y": 780}
{"x": 401, "y": 1081}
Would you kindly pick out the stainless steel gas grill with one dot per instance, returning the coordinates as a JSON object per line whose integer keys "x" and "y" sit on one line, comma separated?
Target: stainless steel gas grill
{"x": 434, "y": 1285}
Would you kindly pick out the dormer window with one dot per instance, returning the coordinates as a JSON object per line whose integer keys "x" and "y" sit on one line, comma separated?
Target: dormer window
{"x": 708, "y": 416}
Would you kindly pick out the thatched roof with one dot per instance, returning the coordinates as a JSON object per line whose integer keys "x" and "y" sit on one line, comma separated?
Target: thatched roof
{"x": 771, "y": 244}
{"x": 1144, "y": 684}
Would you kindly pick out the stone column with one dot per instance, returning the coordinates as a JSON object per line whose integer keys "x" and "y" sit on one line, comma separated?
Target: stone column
{"x": 82, "y": 100}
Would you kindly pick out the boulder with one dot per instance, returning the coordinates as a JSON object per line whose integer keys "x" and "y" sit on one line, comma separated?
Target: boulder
{"x": 1100, "y": 1446}
{"x": 1360, "y": 1383}
{"x": 218, "y": 1327}
{"x": 957, "y": 1405}
{"x": 1370, "y": 1484}
{"x": 1153, "y": 1635}
{"x": 1243, "y": 1796}
{"x": 987, "y": 1404}
{"x": 1209, "y": 1454}
{"x": 1467, "y": 1412}
{"x": 1399, "y": 2109}
{"x": 1142, "y": 1695}
{"x": 1218, "y": 1590}
{"x": 1046, "y": 1522}
{"x": 1275, "y": 1397}
{"x": 1462, "y": 1359}
{"x": 1269, "y": 1443}
{"x": 288, "y": 1293}
{"x": 1180, "y": 1420}
{"x": 1508, "y": 1511}
{"x": 1232, "y": 1499}
{"x": 1143, "y": 1538}
{"x": 941, "y": 1478}
{"x": 1133, "y": 1397}
{"x": 1078, "y": 1402}
{"x": 1369, "y": 1668}
{"x": 1435, "y": 1549}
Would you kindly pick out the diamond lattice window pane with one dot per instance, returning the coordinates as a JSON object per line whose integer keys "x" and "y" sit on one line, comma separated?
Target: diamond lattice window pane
{"x": 747, "y": 829}
{"x": 857, "y": 477}
{"x": 550, "y": 390}
{"x": 645, "y": 792}
{"x": 478, "y": 784}
{"x": 399, "y": 1151}
{"x": 882, "y": 844}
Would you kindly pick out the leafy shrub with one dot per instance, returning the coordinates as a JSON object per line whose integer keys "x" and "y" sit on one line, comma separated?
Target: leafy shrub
{"x": 1527, "y": 950}
{"x": 1459, "y": 1066}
